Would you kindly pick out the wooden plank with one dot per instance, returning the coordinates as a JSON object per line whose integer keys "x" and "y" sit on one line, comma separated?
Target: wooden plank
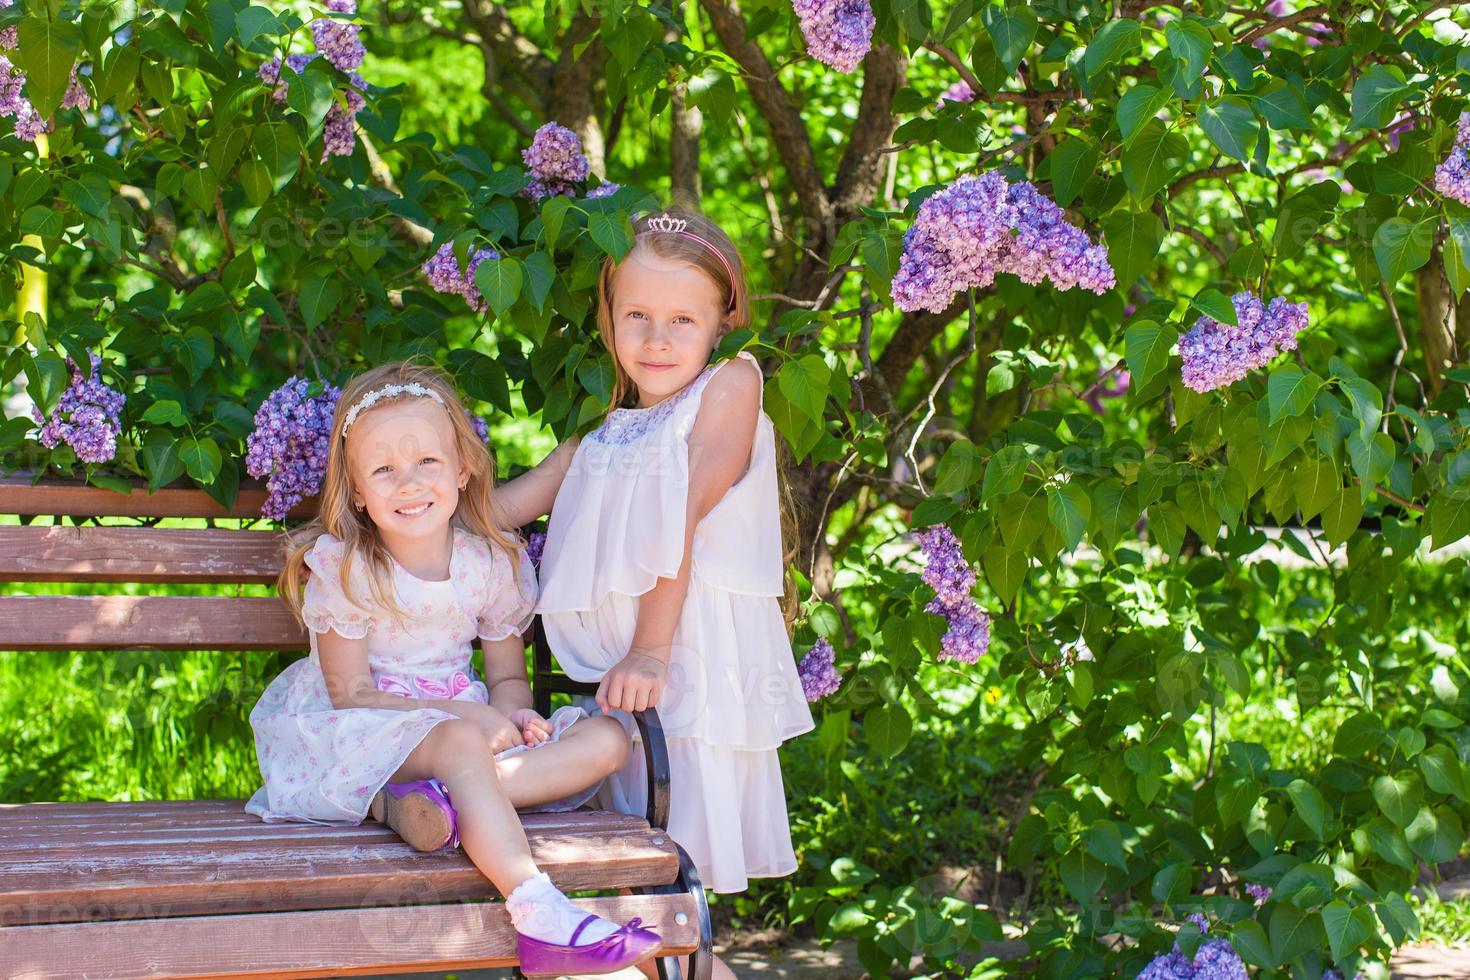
{"x": 181, "y": 499}
{"x": 169, "y": 881}
{"x": 109, "y": 622}
{"x": 67, "y": 553}
{"x": 339, "y": 942}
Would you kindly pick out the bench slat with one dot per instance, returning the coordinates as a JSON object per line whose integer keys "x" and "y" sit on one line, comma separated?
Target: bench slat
{"x": 18, "y": 496}
{"x": 164, "y": 873}
{"x": 164, "y": 622}
{"x": 66, "y": 553}
{"x": 339, "y": 942}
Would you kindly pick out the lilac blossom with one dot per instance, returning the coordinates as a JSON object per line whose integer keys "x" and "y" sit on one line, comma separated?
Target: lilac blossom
{"x": 1216, "y": 354}
{"x": 13, "y": 101}
{"x": 980, "y": 226}
{"x": 291, "y": 443}
{"x": 1452, "y": 177}
{"x": 443, "y": 272}
{"x": 10, "y": 36}
{"x": 481, "y": 427}
{"x": 556, "y": 162}
{"x": 1109, "y": 386}
{"x": 535, "y": 545}
{"x": 87, "y": 418}
{"x": 603, "y": 190}
{"x": 950, "y": 576}
{"x": 338, "y": 136}
{"x": 338, "y": 40}
{"x": 838, "y": 32}
{"x": 1215, "y": 959}
{"x": 1259, "y": 893}
{"x": 819, "y": 678}
{"x": 958, "y": 92}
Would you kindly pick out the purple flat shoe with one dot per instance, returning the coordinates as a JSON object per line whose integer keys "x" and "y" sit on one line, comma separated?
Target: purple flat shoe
{"x": 420, "y": 812}
{"x": 630, "y": 944}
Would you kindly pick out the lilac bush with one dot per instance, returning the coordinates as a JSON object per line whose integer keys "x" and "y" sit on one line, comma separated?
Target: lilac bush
{"x": 819, "y": 678}
{"x": 556, "y": 162}
{"x": 1216, "y": 354}
{"x": 292, "y": 436}
{"x": 88, "y": 417}
{"x": 445, "y": 275}
{"x": 838, "y": 32}
{"x": 980, "y": 226}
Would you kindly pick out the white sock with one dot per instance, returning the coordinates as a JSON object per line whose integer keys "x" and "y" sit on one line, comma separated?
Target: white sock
{"x": 539, "y": 909}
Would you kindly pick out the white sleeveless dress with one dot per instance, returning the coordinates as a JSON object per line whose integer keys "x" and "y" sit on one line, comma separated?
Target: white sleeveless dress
{"x": 733, "y": 693}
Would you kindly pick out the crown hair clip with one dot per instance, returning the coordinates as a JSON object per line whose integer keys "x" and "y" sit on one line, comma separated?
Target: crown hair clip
{"x": 667, "y": 223}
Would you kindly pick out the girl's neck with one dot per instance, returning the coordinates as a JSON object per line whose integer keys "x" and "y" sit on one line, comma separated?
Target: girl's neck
{"x": 426, "y": 558}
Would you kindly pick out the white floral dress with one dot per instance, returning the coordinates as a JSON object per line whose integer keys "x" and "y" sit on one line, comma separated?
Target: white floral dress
{"x": 323, "y": 764}
{"x": 733, "y": 693}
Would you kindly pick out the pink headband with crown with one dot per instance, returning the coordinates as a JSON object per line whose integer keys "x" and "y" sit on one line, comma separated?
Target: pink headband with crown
{"x": 669, "y": 225}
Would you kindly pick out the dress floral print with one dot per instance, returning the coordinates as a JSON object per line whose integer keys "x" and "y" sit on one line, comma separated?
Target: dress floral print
{"x": 323, "y": 764}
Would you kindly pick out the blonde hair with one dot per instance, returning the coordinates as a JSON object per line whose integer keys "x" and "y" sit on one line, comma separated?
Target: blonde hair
{"x": 477, "y": 512}
{"x": 735, "y": 293}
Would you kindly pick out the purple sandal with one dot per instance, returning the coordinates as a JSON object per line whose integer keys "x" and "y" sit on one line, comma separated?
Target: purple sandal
{"x": 420, "y": 812}
{"x": 630, "y": 944}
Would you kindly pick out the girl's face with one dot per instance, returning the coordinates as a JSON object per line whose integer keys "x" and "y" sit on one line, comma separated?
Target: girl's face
{"x": 667, "y": 318}
{"x": 405, "y": 469}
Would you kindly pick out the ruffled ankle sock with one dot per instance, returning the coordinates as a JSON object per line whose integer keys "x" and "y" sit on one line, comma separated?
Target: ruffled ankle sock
{"x": 538, "y": 909}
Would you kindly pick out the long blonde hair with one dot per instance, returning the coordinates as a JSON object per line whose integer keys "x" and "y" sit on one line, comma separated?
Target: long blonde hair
{"x": 477, "y": 511}
{"x": 735, "y": 292}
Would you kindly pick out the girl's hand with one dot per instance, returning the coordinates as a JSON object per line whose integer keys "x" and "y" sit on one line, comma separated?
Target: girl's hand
{"x": 636, "y": 683}
{"x": 500, "y": 731}
{"x": 534, "y": 729}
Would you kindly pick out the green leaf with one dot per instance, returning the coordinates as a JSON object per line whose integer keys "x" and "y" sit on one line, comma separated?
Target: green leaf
{"x": 1070, "y": 511}
{"x": 1231, "y": 126}
{"x": 1215, "y": 305}
{"x": 1443, "y": 772}
{"x": 1190, "y": 42}
{"x": 1398, "y": 797}
{"x": 1367, "y": 402}
{"x": 1116, "y": 40}
{"x": 613, "y": 233}
{"x": 805, "y": 382}
{"x": 1005, "y": 471}
{"x": 1249, "y": 940}
{"x": 1372, "y": 457}
{"x": 1401, "y": 246}
{"x": 1133, "y": 239}
{"x": 165, "y": 412}
{"x": 1082, "y": 875}
{"x": 279, "y": 150}
{"x": 1146, "y": 346}
{"x": 1072, "y": 163}
{"x": 1436, "y": 835}
{"x": 1104, "y": 841}
{"x": 1376, "y": 94}
{"x": 1290, "y": 391}
{"x": 888, "y": 729}
{"x": 1012, "y": 29}
{"x": 1152, "y": 159}
{"x": 1317, "y": 485}
{"x": 201, "y": 458}
{"x": 1348, "y": 927}
{"x": 1005, "y": 569}
{"x": 1282, "y": 105}
{"x": 46, "y": 51}
{"x": 961, "y": 466}
{"x": 1294, "y": 932}
{"x": 1342, "y": 516}
{"x": 1309, "y": 805}
{"x": 499, "y": 281}
{"x": 1449, "y": 517}
{"x": 1138, "y": 106}
{"x": 553, "y": 213}
{"x": 319, "y": 298}
{"x": 1302, "y": 214}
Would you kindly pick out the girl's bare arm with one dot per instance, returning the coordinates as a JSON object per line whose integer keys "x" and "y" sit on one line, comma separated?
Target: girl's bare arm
{"x": 531, "y": 494}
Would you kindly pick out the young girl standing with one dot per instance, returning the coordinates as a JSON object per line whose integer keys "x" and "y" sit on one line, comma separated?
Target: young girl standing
{"x": 663, "y": 571}
{"x": 408, "y": 563}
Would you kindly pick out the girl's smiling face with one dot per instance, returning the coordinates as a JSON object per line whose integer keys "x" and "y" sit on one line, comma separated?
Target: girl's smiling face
{"x": 405, "y": 469}
{"x": 667, "y": 318}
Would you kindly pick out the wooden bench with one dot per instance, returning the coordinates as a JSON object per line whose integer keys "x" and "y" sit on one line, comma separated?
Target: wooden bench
{"x": 196, "y": 888}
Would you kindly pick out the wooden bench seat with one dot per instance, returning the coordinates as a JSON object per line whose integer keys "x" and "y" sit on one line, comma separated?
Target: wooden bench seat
{"x": 195, "y": 888}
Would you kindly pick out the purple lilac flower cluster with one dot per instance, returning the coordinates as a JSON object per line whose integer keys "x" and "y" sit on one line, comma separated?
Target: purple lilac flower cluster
{"x": 838, "y": 32}
{"x": 1215, "y": 959}
{"x": 556, "y": 162}
{"x": 444, "y": 274}
{"x": 338, "y": 40}
{"x": 979, "y": 226}
{"x": 1259, "y": 893}
{"x": 87, "y": 417}
{"x": 948, "y": 573}
{"x": 1452, "y": 177}
{"x": 290, "y": 443}
{"x": 958, "y": 92}
{"x": 339, "y": 138}
{"x": 535, "y": 544}
{"x": 481, "y": 427}
{"x": 603, "y": 190}
{"x": 13, "y": 102}
{"x": 1216, "y": 355}
{"x": 819, "y": 677}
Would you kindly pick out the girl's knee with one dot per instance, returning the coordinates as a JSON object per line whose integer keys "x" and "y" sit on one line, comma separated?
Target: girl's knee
{"x": 610, "y": 740}
{"x": 458, "y": 742}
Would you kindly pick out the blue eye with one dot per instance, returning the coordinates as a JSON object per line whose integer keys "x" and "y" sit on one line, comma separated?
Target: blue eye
{"x": 381, "y": 469}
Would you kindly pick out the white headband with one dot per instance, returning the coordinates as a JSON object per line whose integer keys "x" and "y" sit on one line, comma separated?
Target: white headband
{"x": 366, "y": 401}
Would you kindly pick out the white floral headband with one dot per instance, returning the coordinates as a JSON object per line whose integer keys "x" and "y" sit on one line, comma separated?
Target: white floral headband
{"x": 368, "y": 400}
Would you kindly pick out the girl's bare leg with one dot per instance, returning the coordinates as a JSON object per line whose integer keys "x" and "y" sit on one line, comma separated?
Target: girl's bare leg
{"x": 457, "y": 754}
{"x": 586, "y": 753}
